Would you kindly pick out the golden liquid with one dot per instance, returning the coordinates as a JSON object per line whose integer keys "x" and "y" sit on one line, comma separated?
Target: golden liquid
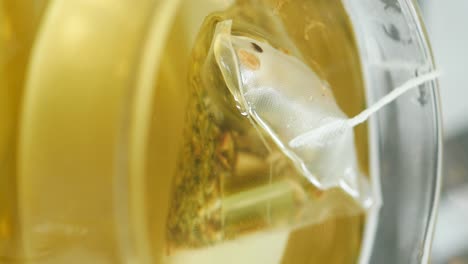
{"x": 18, "y": 25}
{"x": 69, "y": 116}
{"x": 322, "y": 33}
{"x": 225, "y": 162}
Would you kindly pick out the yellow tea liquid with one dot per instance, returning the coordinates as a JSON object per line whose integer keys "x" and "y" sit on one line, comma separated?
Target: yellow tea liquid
{"x": 229, "y": 183}
{"x": 218, "y": 190}
{"x": 18, "y": 25}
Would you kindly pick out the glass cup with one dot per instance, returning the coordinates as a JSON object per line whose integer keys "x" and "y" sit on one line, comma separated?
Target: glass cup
{"x": 83, "y": 145}
{"x": 406, "y": 136}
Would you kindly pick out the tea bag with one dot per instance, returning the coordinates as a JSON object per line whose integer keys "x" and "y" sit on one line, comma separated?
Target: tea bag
{"x": 284, "y": 97}
{"x": 265, "y": 144}
{"x": 232, "y": 179}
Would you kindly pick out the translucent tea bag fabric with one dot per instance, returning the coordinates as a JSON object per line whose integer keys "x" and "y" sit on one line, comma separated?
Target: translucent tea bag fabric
{"x": 297, "y": 109}
{"x": 285, "y": 98}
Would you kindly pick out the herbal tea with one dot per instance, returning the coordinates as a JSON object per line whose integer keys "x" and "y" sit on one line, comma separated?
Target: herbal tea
{"x": 208, "y": 131}
{"x": 234, "y": 189}
{"x": 18, "y": 26}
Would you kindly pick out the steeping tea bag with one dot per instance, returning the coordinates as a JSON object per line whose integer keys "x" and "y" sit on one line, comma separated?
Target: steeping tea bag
{"x": 266, "y": 145}
{"x": 285, "y": 98}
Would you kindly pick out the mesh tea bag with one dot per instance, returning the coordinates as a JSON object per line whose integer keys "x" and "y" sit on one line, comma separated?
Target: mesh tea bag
{"x": 265, "y": 143}
{"x": 233, "y": 179}
{"x": 287, "y": 99}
